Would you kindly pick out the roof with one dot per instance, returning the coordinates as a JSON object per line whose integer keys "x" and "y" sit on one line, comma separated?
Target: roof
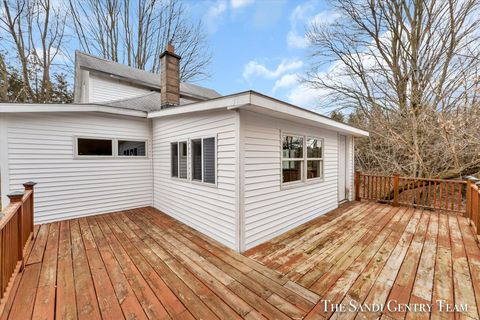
{"x": 147, "y": 102}
{"x": 263, "y": 104}
{"x": 140, "y": 77}
{"x": 247, "y": 100}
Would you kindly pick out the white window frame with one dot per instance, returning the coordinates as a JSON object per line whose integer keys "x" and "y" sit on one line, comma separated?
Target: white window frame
{"x": 133, "y": 140}
{"x": 178, "y": 160}
{"x": 202, "y": 182}
{"x": 303, "y": 181}
{"x": 314, "y": 159}
{"x": 77, "y": 156}
{"x": 114, "y": 148}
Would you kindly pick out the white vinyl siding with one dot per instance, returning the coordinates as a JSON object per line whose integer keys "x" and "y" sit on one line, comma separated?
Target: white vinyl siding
{"x": 209, "y": 208}
{"x": 41, "y": 149}
{"x": 107, "y": 89}
{"x": 270, "y": 209}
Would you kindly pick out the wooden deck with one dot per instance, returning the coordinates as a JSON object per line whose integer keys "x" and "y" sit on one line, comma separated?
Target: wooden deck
{"x": 366, "y": 253}
{"x": 142, "y": 264}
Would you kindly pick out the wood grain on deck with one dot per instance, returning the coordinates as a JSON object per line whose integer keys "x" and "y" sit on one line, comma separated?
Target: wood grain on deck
{"x": 143, "y": 264}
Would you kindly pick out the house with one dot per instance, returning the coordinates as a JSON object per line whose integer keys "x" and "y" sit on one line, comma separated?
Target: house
{"x": 241, "y": 168}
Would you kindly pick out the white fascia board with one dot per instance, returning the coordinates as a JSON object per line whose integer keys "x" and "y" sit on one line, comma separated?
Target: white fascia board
{"x": 22, "y": 108}
{"x": 275, "y": 105}
{"x": 226, "y": 102}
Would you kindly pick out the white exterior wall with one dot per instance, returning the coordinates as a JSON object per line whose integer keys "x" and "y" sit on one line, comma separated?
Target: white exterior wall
{"x": 41, "y": 149}
{"x": 270, "y": 208}
{"x": 207, "y": 208}
{"x": 102, "y": 89}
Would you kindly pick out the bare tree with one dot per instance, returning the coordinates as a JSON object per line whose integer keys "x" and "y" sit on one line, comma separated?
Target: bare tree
{"x": 36, "y": 32}
{"x": 136, "y": 33}
{"x": 407, "y": 70}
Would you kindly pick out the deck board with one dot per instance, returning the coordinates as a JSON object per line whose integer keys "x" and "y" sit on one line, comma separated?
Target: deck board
{"x": 143, "y": 264}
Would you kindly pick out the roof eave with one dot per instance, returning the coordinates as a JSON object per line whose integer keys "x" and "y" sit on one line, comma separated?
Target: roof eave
{"x": 252, "y": 101}
{"x": 24, "y": 108}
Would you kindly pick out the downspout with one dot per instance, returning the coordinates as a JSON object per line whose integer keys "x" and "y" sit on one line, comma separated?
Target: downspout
{"x": 239, "y": 184}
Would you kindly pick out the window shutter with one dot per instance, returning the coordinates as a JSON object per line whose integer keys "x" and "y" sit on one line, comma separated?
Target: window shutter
{"x": 209, "y": 160}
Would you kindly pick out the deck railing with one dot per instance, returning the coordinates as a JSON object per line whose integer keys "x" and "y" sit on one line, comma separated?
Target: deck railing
{"x": 473, "y": 204}
{"x": 458, "y": 196}
{"x": 435, "y": 194}
{"x": 16, "y": 229}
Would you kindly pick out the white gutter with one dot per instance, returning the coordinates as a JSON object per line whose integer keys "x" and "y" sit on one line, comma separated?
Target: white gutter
{"x": 22, "y": 108}
{"x": 271, "y": 104}
{"x": 213, "y": 104}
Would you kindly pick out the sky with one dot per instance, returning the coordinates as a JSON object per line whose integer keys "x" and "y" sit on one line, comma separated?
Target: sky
{"x": 260, "y": 45}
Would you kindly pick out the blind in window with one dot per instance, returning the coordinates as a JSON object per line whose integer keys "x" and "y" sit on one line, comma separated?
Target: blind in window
{"x": 183, "y": 160}
{"x": 209, "y": 160}
{"x": 174, "y": 159}
{"x": 197, "y": 160}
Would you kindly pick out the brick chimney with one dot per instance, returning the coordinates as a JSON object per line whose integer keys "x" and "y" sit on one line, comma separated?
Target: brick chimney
{"x": 170, "y": 78}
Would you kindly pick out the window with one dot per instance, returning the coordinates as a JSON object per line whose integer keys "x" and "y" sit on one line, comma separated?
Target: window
{"x": 293, "y": 158}
{"x": 197, "y": 160}
{"x": 178, "y": 158}
{"x": 302, "y": 158}
{"x": 182, "y": 163}
{"x": 94, "y": 147}
{"x": 204, "y": 160}
{"x": 314, "y": 158}
{"x": 132, "y": 148}
{"x": 174, "y": 159}
{"x": 209, "y": 160}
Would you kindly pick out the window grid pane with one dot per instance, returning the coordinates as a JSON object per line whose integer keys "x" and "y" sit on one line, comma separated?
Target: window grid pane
{"x": 131, "y": 148}
{"x": 314, "y": 148}
{"x": 314, "y": 169}
{"x": 292, "y": 170}
{"x": 94, "y": 147}
{"x": 292, "y": 147}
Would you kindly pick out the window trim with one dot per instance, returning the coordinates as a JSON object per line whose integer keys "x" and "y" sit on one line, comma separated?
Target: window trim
{"x": 133, "y": 140}
{"x": 304, "y": 180}
{"x": 78, "y": 156}
{"x": 202, "y": 182}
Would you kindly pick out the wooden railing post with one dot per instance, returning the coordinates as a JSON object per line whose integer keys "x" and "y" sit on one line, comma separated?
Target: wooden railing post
{"x": 14, "y": 198}
{"x": 468, "y": 209}
{"x": 357, "y": 185}
{"x": 30, "y": 186}
{"x": 396, "y": 179}
{"x": 476, "y": 207}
